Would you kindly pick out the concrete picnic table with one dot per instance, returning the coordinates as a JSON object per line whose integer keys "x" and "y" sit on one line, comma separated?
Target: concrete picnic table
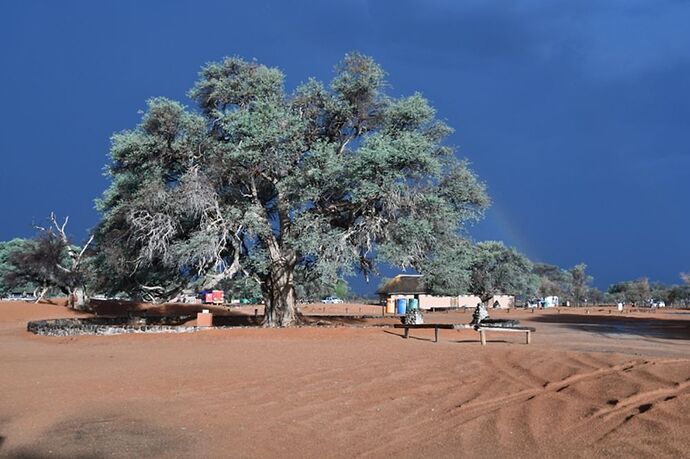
{"x": 481, "y": 329}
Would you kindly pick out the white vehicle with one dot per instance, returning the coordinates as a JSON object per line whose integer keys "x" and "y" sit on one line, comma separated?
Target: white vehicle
{"x": 21, "y": 297}
{"x": 331, "y": 300}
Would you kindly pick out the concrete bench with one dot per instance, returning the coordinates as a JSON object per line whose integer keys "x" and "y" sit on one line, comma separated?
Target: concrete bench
{"x": 526, "y": 330}
{"x": 436, "y": 327}
{"x": 482, "y": 330}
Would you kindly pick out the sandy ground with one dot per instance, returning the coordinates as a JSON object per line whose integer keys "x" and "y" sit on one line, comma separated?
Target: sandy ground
{"x": 589, "y": 385}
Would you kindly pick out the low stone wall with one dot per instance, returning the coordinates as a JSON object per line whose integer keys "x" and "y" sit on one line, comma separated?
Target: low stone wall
{"x": 104, "y": 326}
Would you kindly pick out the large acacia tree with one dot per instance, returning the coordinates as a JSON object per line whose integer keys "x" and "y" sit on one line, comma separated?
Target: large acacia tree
{"x": 280, "y": 188}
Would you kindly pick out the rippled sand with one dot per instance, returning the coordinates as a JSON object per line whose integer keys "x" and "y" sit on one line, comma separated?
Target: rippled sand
{"x": 596, "y": 384}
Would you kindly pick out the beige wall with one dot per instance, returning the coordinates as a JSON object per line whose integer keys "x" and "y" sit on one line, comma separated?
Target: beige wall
{"x": 471, "y": 301}
{"x": 428, "y": 301}
{"x": 505, "y": 301}
{"x": 464, "y": 301}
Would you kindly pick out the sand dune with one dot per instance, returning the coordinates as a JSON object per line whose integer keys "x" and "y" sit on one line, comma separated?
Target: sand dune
{"x": 344, "y": 392}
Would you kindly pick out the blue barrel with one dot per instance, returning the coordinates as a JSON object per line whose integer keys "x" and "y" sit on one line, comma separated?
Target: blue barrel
{"x": 413, "y": 303}
{"x": 401, "y": 306}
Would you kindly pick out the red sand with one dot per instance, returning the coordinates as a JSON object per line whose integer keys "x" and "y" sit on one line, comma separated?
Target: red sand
{"x": 593, "y": 384}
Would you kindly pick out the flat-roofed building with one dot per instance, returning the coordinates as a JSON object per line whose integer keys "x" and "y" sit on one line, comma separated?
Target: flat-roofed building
{"x": 411, "y": 286}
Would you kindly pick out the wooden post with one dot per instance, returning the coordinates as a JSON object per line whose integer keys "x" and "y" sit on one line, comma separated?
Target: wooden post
{"x": 435, "y": 334}
{"x": 407, "y": 332}
{"x": 256, "y": 312}
{"x": 529, "y": 337}
{"x": 482, "y": 337}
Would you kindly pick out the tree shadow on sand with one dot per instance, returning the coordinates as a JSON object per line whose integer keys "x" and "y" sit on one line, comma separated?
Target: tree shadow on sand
{"x": 402, "y": 335}
{"x": 616, "y": 324}
{"x": 243, "y": 320}
{"x": 440, "y": 338}
{"x": 104, "y": 436}
{"x": 125, "y": 307}
{"x": 223, "y": 316}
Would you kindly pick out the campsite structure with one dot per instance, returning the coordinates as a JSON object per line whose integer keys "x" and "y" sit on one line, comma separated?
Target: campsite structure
{"x": 410, "y": 286}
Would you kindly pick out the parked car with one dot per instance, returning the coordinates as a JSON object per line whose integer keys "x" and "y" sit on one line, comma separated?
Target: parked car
{"x": 331, "y": 300}
{"x": 21, "y": 297}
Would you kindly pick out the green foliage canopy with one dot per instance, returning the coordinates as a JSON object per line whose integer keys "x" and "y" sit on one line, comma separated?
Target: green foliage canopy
{"x": 500, "y": 269}
{"x": 12, "y": 277}
{"x": 285, "y": 188}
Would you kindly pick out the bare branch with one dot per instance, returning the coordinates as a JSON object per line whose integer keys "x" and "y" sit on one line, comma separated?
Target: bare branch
{"x": 62, "y": 268}
{"x": 344, "y": 144}
{"x": 151, "y": 287}
{"x": 86, "y": 246}
{"x": 60, "y": 228}
{"x": 153, "y": 231}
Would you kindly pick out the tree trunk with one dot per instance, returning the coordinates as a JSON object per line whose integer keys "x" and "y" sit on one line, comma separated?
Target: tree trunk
{"x": 485, "y": 299}
{"x": 280, "y": 310}
{"x": 279, "y": 299}
{"x": 41, "y": 296}
{"x": 77, "y": 298}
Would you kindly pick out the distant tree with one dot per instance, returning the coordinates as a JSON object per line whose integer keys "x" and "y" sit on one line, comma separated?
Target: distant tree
{"x": 679, "y": 295}
{"x": 553, "y": 281}
{"x": 497, "y": 269}
{"x": 51, "y": 261}
{"x": 241, "y": 287}
{"x": 10, "y": 278}
{"x": 595, "y": 296}
{"x": 616, "y": 292}
{"x": 685, "y": 277}
{"x": 548, "y": 287}
{"x": 311, "y": 289}
{"x": 660, "y": 292}
{"x": 342, "y": 289}
{"x": 288, "y": 189}
{"x": 637, "y": 292}
{"x": 580, "y": 283}
{"x": 449, "y": 270}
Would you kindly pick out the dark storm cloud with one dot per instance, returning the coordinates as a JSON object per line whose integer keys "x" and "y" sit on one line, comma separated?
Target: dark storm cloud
{"x": 574, "y": 112}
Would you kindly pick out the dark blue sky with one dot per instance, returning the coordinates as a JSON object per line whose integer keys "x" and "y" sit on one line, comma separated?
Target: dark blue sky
{"x": 575, "y": 113}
